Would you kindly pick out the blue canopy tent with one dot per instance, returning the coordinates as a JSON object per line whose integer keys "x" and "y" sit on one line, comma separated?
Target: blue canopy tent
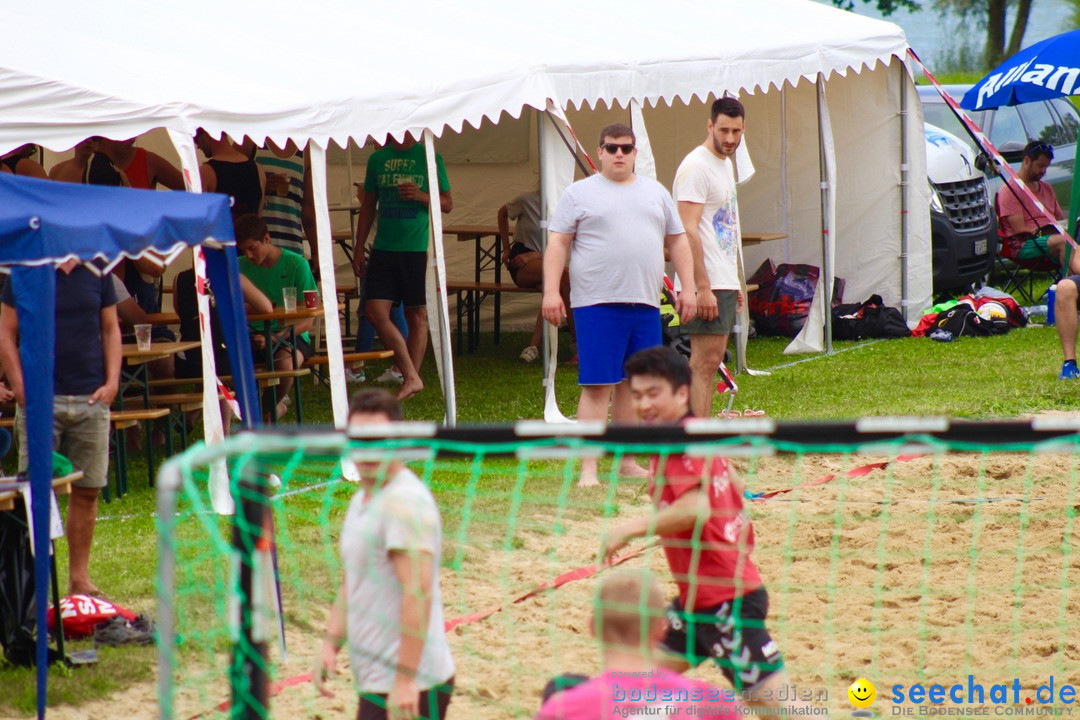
{"x": 1047, "y": 69}
{"x": 43, "y": 223}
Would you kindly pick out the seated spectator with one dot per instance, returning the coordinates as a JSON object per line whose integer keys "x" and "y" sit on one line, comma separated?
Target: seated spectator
{"x": 229, "y": 172}
{"x": 524, "y": 260}
{"x": 186, "y": 304}
{"x": 20, "y": 161}
{"x": 1030, "y": 233}
{"x": 271, "y": 269}
{"x": 288, "y": 203}
{"x": 629, "y": 621}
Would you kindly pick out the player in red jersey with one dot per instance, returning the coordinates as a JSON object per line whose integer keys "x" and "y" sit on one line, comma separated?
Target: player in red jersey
{"x": 707, "y": 538}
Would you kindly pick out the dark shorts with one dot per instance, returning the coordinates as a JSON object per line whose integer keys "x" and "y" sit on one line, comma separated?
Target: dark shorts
{"x": 396, "y": 276}
{"x": 726, "y": 303}
{"x": 608, "y": 334}
{"x": 433, "y": 703}
{"x": 515, "y": 250}
{"x": 733, "y": 634}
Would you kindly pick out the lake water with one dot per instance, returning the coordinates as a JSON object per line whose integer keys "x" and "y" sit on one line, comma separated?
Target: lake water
{"x": 930, "y": 35}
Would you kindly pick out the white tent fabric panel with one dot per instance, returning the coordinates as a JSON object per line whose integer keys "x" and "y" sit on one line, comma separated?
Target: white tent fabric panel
{"x": 159, "y": 67}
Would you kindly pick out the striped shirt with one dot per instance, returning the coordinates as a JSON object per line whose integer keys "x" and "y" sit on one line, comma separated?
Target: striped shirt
{"x": 283, "y": 200}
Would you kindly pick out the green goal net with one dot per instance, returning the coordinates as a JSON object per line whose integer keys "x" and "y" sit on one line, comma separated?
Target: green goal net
{"x": 913, "y": 554}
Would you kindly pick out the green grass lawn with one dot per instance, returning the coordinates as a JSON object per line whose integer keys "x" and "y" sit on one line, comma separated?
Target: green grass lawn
{"x": 976, "y": 378}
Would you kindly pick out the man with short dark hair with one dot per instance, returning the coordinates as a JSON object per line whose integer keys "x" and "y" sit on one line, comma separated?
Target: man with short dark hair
{"x": 389, "y": 608}
{"x": 707, "y": 538}
{"x": 614, "y": 227}
{"x": 86, "y": 379}
{"x": 1031, "y": 232}
{"x": 628, "y": 622}
{"x": 704, "y": 189}
{"x": 271, "y": 269}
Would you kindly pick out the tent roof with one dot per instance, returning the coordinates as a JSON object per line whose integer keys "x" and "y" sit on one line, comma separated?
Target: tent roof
{"x": 346, "y": 69}
{"x": 43, "y": 221}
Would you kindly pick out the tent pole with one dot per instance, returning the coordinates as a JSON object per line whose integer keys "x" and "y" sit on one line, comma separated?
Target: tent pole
{"x": 339, "y": 398}
{"x": 544, "y": 200}
{"x": 440, "y": 329}
{"x": 1074, "y": 199}
{"x": 35, "y": 307}
{"x": 904, "y": 180}
{"x": 826, "y": 230}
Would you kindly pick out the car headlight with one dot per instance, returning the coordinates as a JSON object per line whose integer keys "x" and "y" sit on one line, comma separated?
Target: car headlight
{"x": 935, "y": 200}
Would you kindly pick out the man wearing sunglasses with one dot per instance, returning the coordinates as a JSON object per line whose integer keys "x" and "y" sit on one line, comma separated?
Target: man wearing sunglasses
{"x": 614, "y": 227}
{"x": 1031, "y": 231}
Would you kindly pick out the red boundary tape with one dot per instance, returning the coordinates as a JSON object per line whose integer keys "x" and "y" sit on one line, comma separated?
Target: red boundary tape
{"x": 580, "y": 573}
{"x": 855, "y": 472}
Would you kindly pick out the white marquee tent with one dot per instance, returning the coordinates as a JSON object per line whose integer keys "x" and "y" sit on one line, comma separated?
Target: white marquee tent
{"x": 835, "y": 126}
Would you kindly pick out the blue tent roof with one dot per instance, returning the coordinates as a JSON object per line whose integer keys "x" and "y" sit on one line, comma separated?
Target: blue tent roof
{"x": 41, "y": 220}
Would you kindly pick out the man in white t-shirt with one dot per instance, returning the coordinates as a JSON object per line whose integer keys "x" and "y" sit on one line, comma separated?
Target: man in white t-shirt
{"x": 390, "y": 607}
{"x": 614, "y": 227}
{"x": 704, "y": 189}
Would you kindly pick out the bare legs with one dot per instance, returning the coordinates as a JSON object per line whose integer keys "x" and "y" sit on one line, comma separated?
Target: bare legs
{"x": 706, "y": 354}
{"x": 593, "y": 405}
{"x": 407, "y": 355}
{"x": 1065, "y": 316}
{"x": 82, "y": 516}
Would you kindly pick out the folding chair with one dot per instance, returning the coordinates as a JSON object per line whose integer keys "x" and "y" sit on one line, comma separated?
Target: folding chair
{"x": 1021, "y": 275}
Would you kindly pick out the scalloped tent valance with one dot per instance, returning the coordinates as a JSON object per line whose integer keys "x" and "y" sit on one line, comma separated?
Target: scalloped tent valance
{"x": 331, "y": 69}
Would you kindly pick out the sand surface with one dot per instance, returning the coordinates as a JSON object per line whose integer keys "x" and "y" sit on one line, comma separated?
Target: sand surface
{"x": 925, "y": 571}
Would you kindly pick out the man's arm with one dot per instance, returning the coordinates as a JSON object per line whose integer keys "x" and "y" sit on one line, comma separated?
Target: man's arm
{"x": 689, "y": 511}
{"x": 414, "y": 570}
{"x": 254, "y": 301}
{"x": 110, "y": 344}
{"x": 9, "y": 351}
{"x": 686, "y": 303}
{"x": 690, "y": 214}
{"x": 558, "y": 250}
{"x": 209, "y": 178}
{"x": 163, "y": 172}
{"x": 364, "y": 220}
{"x": 326, "y": 661}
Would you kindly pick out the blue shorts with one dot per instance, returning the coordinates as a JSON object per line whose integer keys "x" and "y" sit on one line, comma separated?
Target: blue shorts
{"x": 607, "y": 335}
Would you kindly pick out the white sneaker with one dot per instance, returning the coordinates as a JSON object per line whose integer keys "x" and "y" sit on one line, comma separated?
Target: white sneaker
{"x": 529, "y": 354}
{"x": 392, "y": 375}
{"x": 355, "y": 377}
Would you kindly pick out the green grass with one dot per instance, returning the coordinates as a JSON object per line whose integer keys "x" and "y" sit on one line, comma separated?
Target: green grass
{"x": 976, "y": 378}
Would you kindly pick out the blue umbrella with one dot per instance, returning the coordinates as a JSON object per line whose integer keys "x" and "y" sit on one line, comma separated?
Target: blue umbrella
{"x": 1048, "y": 69}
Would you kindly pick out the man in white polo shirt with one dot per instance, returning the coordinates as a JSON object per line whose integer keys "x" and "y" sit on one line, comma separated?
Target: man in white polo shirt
{"x": 389, "y": 607}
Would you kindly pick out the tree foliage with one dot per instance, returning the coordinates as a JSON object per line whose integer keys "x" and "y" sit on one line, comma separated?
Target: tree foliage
{"x": 989, "y": 15}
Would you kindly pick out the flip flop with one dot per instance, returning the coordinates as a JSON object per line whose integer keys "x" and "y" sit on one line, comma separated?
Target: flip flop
{"x": 753, "y": 413}
{"x": 725, "y": 415}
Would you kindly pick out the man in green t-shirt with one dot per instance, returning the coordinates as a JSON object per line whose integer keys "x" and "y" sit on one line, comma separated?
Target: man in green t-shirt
{"x": 270, "y": 269}
{"x": 396, "y": 187}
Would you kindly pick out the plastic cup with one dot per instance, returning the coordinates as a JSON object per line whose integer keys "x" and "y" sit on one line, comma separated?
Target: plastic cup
{"x": 311, "y": 299}
{"x": 142, "y": 336}
{"x": 288, "y": 296}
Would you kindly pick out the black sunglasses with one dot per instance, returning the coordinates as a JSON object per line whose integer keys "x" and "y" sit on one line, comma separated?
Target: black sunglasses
{"x": 612, "y": 148}
{"x": 1040, "y": 149}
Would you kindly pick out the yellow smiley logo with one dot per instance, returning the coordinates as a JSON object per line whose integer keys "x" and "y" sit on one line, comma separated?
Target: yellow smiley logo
{"x": 862, "y": 693}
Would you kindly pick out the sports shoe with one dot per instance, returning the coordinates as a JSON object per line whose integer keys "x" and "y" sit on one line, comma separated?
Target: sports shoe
{"x": 529, "y": 354}
{"x": 392, "y": 375}
{"x": 355, "y": 377}
{"x": 1069, "y": 371}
